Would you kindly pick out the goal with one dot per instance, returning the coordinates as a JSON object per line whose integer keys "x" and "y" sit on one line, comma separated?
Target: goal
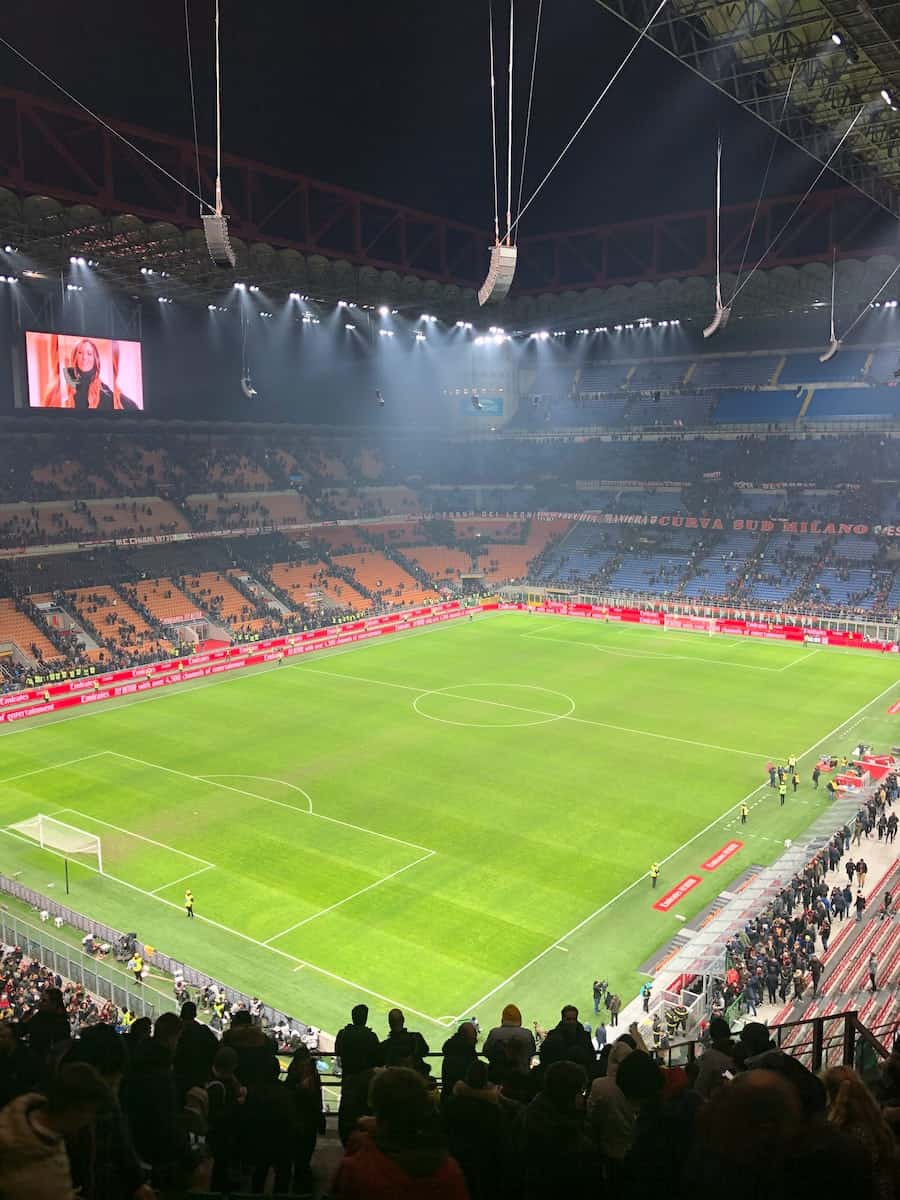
{"x": 690, "y": 624}
{"x": 52, "y": 834}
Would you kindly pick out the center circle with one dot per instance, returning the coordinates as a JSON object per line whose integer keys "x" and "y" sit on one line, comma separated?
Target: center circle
{"x": 453, "y": 706}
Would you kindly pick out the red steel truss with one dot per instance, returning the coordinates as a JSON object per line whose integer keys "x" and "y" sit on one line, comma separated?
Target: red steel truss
{"x": 55, "y": 150}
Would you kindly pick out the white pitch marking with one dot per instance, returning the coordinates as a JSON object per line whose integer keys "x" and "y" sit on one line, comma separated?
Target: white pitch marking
{"x": 631, "y": 886}
{"x": 181, "y": 879}
{"x": 655, "y": 654}
{"x": 70, "y": 762}
{"x": 268, "y": 800}
{"x": 139, "y": 836}
{"x": 269, "y": 779}
{"x": 347, "y": 899}
{"x": 666, "y": 737}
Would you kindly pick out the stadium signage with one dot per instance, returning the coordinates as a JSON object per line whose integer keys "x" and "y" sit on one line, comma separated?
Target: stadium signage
{"x": 73, "y": 693}
{"x": 735, "y": 524}
{"x": 670, "y": 899}
{"x": 722, "y": 856}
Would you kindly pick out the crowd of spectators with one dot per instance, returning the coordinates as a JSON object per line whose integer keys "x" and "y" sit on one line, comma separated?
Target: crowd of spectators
{"x": 167, "y": 1107}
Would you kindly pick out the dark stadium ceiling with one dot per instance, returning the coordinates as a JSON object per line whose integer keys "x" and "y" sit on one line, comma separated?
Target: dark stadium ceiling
{"x": 748, "y": 49}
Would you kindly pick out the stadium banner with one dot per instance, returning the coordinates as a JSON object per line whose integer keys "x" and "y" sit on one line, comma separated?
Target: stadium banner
{"x": 15, "y": 706}
{"x": 732, "y": 524}
{"x": 735, "y": 627}
{"x": 670, "y": 899}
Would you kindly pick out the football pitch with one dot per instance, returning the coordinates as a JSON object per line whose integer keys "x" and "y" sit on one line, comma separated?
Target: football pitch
{"x": 447, "y": 820}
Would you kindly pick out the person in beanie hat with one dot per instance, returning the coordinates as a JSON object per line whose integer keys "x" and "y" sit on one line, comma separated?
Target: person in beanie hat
{"x": 509, "y": 1046}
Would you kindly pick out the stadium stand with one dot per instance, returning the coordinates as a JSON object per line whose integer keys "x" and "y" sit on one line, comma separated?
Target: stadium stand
{"x": 384, "y": 580}
{"x": 164, "y": 600}
{"x": 115, "y": 624}
{"x": 306, "y": 583}
{"x": 17, "y": 629}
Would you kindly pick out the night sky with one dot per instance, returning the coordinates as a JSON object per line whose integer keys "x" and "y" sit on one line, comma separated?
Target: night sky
{"x": 392, "y": 98}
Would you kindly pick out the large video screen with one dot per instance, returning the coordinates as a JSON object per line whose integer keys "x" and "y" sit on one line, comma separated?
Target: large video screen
{"x": 70, "y": 371}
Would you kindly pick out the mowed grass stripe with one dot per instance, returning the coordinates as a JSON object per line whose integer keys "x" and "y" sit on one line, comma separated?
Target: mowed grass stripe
{"x": 533, "y": 829}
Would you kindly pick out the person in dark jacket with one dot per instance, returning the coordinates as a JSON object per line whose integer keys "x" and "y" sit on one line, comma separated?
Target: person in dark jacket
{"x": 194, "y": 1054}
{"x": 459, "y": 1053}
{"x": 479, "y": 1121}
{"x": 48, "y": 1025}
{"x": 255, "y": 1050}
{"x": 556, "y": 1156}
{"x": 359, "y": 1050}
{"x": 568, "y": 1041}
{"x": 403, "y": 1047}
{"x": 305, "y": 1085}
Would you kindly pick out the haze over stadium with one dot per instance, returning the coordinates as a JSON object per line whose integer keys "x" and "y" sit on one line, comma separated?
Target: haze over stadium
{"x": 450, "y": 583}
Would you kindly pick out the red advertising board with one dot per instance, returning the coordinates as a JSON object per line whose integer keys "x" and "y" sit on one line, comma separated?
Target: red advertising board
{"x": 671, "y": 898}
{"x": 721, "y": 856}
{"x": 73, "y": 693}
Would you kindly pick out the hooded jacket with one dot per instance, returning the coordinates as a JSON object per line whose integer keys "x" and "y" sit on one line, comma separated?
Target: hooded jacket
{"x": 373, "y": 1171}
{"x": 33, "y": 1161}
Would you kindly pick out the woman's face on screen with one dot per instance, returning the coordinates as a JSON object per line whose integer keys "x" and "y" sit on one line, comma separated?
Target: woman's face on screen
{"x": 85, "y": 360}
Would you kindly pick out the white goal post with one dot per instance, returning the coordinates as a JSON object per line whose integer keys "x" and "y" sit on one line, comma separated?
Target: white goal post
{"x": 53, "y": 834}
{"x": 690, "y": 624}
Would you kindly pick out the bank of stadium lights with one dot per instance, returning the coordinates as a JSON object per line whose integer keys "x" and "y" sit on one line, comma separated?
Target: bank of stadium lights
{"x": 297, "y": 296}
{"x": 463, "y": 324}
{"x": 307, "y": 319}
{"x": 74, "y": 287}
{"x": 267, "y": 315}
{"x": 11, "y": 249}
{"x": 216, "y": 308}
{"x": 349, "y": 325}
{"x": 420, "y": 336}
{"x": 388, "y": 333}
{"x": 165, "y": 300}
{"x": 427, "y": 317}
{"x": 8, "y": 279}
{"x": 144, "y": 271}
{"x": 541, "y": 336}
{"x": 385, "y": 311}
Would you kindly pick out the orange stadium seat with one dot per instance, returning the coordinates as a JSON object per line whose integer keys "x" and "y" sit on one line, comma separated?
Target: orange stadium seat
{"x": 305, "y": 583}
{"x": 15, "y": 627}
{"x": 218, "y": 595}
{"x": 247, "y": 510}
{"x": 440, "y": 562}
{"x": 164, "y": 600}
{"x": 116, "y": 621}
{"x": 379, "y": 574}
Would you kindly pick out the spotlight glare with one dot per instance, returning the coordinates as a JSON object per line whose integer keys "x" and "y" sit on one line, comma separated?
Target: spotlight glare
{"x": 242, "y": 287}
{"x": 295, "y": 296}
{"x": 886, "y": 97}
{"x": 254, "y": 287}
{"x": 837, "y": 39}
{"x": 11, "y": 249}
{"x": 349, "y": 325}
{"x": 384, "y": 311}
{"x": 420, "y": 337}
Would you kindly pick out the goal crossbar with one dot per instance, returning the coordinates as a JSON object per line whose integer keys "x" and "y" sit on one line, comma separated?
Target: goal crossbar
{"x": 51, "y": 833}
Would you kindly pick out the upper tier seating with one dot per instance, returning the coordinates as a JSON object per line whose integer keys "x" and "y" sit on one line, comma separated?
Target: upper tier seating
{"x": 744, "y": 407}
{"x": 249, "y": 510}
{"x": 846, "y": 367}
{"x": 501, "y": 561}
{"x": 603, "y": 377}
{"x": 20, "y": 630}
{"x": 745, "y": 370}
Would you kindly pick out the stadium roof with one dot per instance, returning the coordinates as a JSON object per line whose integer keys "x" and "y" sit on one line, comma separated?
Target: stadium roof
{"x": 843, "y": 55}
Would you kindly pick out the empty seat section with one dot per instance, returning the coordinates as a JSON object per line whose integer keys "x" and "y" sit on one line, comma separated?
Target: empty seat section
{"x": 659, "y": 573}
{"x": 440, "y": 563}
{"x": 833, "y": 404}
{"x": 736, "y": 407}
{"x": 745, "y": 370}
{"x": 307, "y": 583}
{"x": 846, "y": 367}
{"x": 164, "y": 600}
{"x": 115, "y": 621}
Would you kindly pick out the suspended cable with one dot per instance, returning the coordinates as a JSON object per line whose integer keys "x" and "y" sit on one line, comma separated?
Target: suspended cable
{"x": 618, "y": 71}
{"x": 834, "y": 343}
{"x": 100, "y": 121}
{"x": 218, "y": 119}
{"x": 494, "y": 123}
{"x": 190, "y": 60}
{"x": 509, "y": 132}
{"x": 798, "y": 205}
{"x": 868, "y": 306}
{"x": 537, "y": 36}
{"x": 762, "y": 189}
{"x": 723, "y": 312}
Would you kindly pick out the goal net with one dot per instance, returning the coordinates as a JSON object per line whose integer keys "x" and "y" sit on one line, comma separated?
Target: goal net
{"x": 690, "y": 624}
{"x": 52, "y": 834}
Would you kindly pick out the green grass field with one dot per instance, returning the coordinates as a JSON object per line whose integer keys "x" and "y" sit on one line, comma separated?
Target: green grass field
{"x": 448, "y": 820}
